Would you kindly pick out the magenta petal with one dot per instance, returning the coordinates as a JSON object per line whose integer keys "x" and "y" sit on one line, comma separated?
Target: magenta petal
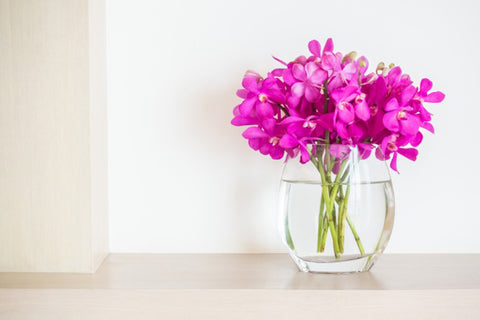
{"x": 298, "y": 89}
{"x": 288, "y": 142}
{"x": 428, "y": 126}
{"x": 269, "y": 125}
{"x": 305, "y": 156}
{"x": 326, "y": 121}
{"x": 242, "y": 93}
{"x": 407, "y": 95}
{"x": 390, "y": 121}
{"x": 355, "y": 131}
{"x": 310, "y": 68}
{"x": 293, "y": 101}
{"x": 335, "y": 83}
{"x": 393, "y": 163}
{"x": 426, "y": 116}
{"x": 391, "y": 105}
{"x": 264, "y": 110}
{"x": 242, "y": 121}
{"x": 315, "y": 48}
{"x": 330, "y": 62}
{"x": 254, "y": 132}
{"x": 319, "y": 76}
{"x": 344, "y": 94}
{"x": 276, "y": 152}
{"x": 328, "y": 46}
{"x": 250, "y": 83}
{"x": 346, "y": 115}
{"x": 415, "y": 142}
{"x": 247, "y": 105}
{"x": 265, "y": 148}
{"x": 312, "y": 94}
{"x": 350, "y": 93}
{"x": 292, "y": 119}
{"x": 276, "y": 95}
{"x": 362, "y": 111}
{"x": 236, "y": 110}
{"x": 425, "y": 86}
{"x": 365, "y": 149}
{"x": 288, "y": 77}
{"x": 269, "y": 82}
{"x": 350, "y": 69}
{"x": 342, "y": 130}
{"x": 379, "y": 154}
{"x": 381, "y": 88}
{"x": 434, "y": 97}
{"x": 394, "y": 75}
{"x": 277, "y": 72}
{"x": 409, "y": 153}
{"x": 254, "y": 143}
{"x": 337, "y": 95}
{"x": 299, "y": 72}
{"x": 339, "y": 151}
{"x": 410, "y": 126}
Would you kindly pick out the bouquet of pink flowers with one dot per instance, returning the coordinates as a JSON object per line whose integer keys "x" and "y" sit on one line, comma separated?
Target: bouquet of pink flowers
{"x": 332, "y": 98}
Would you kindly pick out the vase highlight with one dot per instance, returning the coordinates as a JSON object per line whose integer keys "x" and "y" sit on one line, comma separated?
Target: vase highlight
{"x": 337, "y": 210}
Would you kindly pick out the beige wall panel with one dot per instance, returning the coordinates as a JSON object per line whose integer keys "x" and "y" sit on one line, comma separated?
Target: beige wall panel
{"x": 49, "y": 122}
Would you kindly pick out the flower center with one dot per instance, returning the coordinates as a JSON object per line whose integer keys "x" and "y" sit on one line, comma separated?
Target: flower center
{"x": 392, "y": 146}
{"x": 262, "y": 97}
{"x": 360, "y": 98}
{"x": 309, "y": 124}
{"x": 342, "y": 105}
{"x": 274, "y": 140}
{"x": 402, "y": 115}
{"x": 373, "y": 109}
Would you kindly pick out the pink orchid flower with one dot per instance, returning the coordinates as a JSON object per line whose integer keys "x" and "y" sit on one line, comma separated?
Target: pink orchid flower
{"x": 312, "y": 126}
{"x": 399, "y": 117}
{"x": 393, "y": 144}
{"x": 423, "y": 96}
{"x": 309, "y": 80}
{"x": 346, "y": 111}
{"x": 259, "y": 94}
{"x": 291, "y": 143}
{"x": 331, "y": 97}
{"x": 266, "y": 137}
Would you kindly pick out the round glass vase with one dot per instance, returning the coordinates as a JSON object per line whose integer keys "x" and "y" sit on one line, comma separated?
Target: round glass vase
{"x": 337, "y": 209}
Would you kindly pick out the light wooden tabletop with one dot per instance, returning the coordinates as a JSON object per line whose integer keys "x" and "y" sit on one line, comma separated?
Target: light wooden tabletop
{"x": 247, "y": 286}
{"x": 258, "y": 271}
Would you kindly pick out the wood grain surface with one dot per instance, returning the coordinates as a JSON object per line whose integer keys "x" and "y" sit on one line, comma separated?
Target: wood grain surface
{"x": 247, "y": 286}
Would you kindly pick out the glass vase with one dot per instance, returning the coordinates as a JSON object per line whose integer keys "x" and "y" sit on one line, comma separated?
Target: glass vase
{"x": 337, "y": 209}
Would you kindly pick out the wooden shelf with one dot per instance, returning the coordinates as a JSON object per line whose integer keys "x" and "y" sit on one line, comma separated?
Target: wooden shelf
{"x": 247, "y": 286}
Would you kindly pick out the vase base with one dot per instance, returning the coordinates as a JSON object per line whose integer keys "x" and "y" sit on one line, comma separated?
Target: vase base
{"x": 345, "y": 264}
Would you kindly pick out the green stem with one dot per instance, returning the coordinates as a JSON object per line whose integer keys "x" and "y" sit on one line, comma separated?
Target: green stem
{"x": 331, "y": 221}
{"x": 324, "y": 233}
{"x": 320, "y": 224}
{"x": 341, "y": 228}
{"x": 355, "y": 234}
{"x": 326, "y": 199}
{"x": 336, "y": 183}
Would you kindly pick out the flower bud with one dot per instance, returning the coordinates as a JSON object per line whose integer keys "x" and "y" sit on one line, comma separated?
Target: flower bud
{"x": 350, "y": 56}
{"x": 380, "y": 67}
{"x": 362, "y": 63}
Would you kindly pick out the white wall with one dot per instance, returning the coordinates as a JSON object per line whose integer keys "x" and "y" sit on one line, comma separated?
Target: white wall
{"x": 182, "y": 179}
